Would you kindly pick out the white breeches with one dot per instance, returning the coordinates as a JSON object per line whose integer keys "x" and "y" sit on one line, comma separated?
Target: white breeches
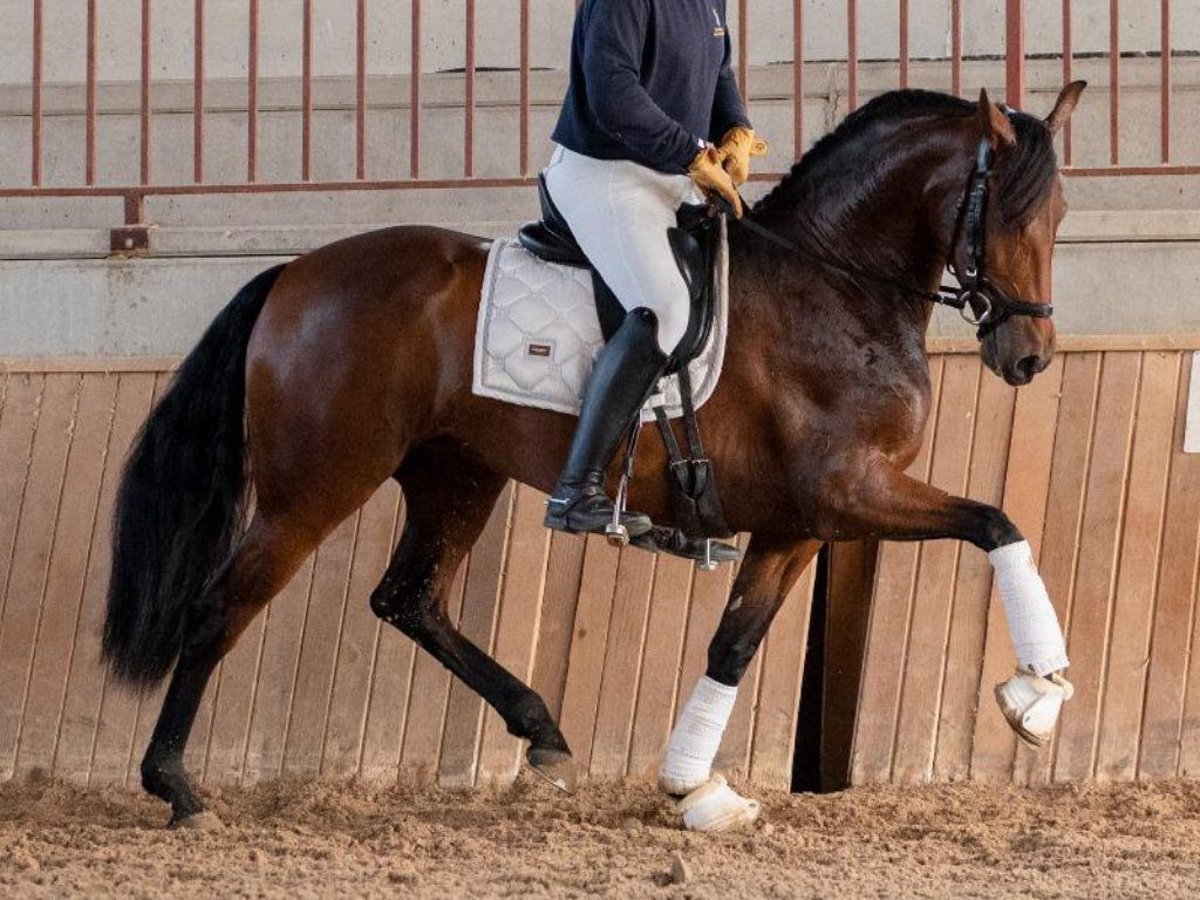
{"x": 619, "y": 212}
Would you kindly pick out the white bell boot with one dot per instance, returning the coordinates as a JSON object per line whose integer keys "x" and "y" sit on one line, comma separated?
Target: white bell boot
{"x": 715, "y": 806}
{"x": 1031, "y": 704}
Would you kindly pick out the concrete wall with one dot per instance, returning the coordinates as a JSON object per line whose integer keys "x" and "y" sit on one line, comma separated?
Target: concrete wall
{"x": 389, "y": 24}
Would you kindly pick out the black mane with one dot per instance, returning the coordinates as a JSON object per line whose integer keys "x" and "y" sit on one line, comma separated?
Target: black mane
{"x": 1023, "y": 174}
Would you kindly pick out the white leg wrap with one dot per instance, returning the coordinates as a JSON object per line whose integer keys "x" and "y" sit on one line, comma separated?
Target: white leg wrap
{"x": 697, "y": 737}
{"x": 1032, "y": 624}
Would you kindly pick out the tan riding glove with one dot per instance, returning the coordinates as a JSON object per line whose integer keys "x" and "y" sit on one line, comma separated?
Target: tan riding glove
{"x": 710, "y": 177}
{"x": 738, "y": 145}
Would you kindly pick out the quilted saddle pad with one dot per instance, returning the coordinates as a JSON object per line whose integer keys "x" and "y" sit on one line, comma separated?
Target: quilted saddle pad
{"x": 538, "y": 333}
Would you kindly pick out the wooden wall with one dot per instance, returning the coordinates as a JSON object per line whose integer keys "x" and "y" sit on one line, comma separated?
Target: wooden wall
{"x": 316, "y": 685}
{"x": 1087, "y": 461}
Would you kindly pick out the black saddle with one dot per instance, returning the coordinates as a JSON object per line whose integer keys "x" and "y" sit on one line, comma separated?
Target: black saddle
{"x": 693, "y": 241}
{"x": 694, "y": 497}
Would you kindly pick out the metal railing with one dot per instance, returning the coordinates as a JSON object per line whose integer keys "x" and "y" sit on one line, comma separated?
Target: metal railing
{"x": 1015, "y": 72}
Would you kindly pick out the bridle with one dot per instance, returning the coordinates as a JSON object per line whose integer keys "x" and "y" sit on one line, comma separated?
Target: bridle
{"x": 977, "y": 298}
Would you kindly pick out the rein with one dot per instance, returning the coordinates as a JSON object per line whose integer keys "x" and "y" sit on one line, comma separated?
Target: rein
{"x": 974, "y": 290}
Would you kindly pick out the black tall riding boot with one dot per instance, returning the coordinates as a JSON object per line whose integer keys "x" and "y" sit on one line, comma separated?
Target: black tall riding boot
{"x": 624, "y": 375}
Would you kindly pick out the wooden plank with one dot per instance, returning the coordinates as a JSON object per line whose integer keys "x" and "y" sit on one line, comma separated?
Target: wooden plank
{"x": 851, "y": 580}
{"x": 500, "y": 753}
{"x": 1064, "y": 515}
{"x": 559, "y": 598}
{"x": 345, "y": 729}
{"x": 1134, "y": 600}
{"x": 621, "y": 673}
{"x": 661, "y": 660}
{"x": 961, "y": 689}
{"x": 18, "y": 424}
{"x": 783, "y": 657}
{"x": 1163, "y": 720}
{"x": 459, "y": 759}
{"x": 38, "y": 520}
{"x": 1082, "y": 343}
{"x": 68, "y": 566}
{"x": 276, "y": 678}
{"x": 921, "y": 678}
{"x": 1026, "y": 488}
{"x": 319, "y": 651}
{"x": 1087, "y": 639}
{"x": 895, "y": 580}
{"x": 87, "y": 676}
{"x": 588, "y": 645}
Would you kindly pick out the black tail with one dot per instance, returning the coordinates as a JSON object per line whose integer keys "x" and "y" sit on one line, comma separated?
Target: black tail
{"x": 180, "y": 504}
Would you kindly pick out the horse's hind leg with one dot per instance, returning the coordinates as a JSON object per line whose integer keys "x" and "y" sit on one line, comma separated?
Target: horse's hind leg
{"x": 262, "y": 564}
{"x": 448, "y": 500}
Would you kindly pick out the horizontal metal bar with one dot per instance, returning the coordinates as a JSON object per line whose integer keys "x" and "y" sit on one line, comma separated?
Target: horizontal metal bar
{"x": 284, "y": 187}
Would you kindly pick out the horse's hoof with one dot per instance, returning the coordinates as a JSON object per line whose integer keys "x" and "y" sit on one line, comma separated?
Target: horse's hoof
{"x": 1031, "y": 704}
{"x": 201, "y": 821}
{"x": 556, "y": 766}
{"x": 715, "y": 807}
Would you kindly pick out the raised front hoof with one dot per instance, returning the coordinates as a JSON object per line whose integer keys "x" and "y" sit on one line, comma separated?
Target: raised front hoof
{"x": 555, "y": 766}
{"x": 1031, "y": 705}
{"x": 200, "y": 821}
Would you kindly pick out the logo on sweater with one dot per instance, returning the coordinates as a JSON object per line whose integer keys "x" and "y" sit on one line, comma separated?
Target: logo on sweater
{"x": 719, "y": 31}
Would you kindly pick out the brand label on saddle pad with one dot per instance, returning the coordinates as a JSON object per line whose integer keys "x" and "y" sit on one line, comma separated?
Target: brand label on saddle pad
{"x": 538, "y": 333}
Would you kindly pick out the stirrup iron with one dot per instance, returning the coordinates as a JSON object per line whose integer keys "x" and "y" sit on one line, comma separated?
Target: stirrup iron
{"x": 615, "y": 533}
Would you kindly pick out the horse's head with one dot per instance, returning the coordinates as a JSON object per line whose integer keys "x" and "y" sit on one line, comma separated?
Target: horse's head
{"x": 1020, "y": 220}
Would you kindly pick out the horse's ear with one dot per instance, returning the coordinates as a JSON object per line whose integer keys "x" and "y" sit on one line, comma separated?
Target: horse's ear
{"x": 996, "y": 126}
{"x": 1064, "y": 106}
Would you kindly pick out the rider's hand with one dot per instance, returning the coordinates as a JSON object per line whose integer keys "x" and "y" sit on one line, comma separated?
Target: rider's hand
{"x": 710, "y": 177}
{"x": 738, "y": 145}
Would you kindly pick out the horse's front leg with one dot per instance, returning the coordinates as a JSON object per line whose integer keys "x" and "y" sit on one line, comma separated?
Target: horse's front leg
{"x": 892, "y": 506}
{"x": 766, "y": 576}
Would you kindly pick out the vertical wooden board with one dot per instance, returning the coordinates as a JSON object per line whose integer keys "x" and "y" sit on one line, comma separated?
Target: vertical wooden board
{"x": 848, "y": 610}
{"x": 31, "y": 556}
{"x": 619, "y": 680}
{"x": 1064, "y": 516}
{"x": 559, "y": 597}
{"x": 1026, "y": 488}
{"x": 1087, "y": 639}
{"x": 921, "y": 678}
{"x": 360, "y": 634}
{"x": 887, "y": 632}
{"x": 517, "y": 630}
{"x": 589, "y": 641}
{"x": 284, "y": 629}
{"x": 236, "y": 684}
{"x": 972, "y": 587}
{"x": 710, "y": 596}
{"x": 774, "y": 740}
{"x": 459, "y": 759}
{"x": 424, "y": 719}
{"x": 661, "y": 659}
{"x": 1163, "y": 722}
{"x": 1134, "y": 599}
{"x": 68, "y": 566}
{"x": 87, "y": 676}
{"x": 319, "y": 651}
{"x": 18, "y": 424}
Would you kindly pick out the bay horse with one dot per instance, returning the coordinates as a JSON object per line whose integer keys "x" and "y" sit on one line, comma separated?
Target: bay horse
{"x": 328, "y": 375}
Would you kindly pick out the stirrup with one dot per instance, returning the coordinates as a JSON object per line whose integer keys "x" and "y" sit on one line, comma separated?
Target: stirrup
{"x": 615, "y": 532}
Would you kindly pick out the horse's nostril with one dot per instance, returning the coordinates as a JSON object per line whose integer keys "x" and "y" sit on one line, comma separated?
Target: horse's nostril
{"x": 1031, "y": 365}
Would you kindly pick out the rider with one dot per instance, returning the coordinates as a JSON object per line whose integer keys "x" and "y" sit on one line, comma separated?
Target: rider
{"x": 651, "y": 89}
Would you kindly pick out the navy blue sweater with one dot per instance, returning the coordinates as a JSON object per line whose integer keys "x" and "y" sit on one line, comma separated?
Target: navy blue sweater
{"x": 650, "y": 82}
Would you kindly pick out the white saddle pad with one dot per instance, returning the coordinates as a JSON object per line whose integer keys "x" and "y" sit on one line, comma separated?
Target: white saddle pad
{"x": 538, "y": 333}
